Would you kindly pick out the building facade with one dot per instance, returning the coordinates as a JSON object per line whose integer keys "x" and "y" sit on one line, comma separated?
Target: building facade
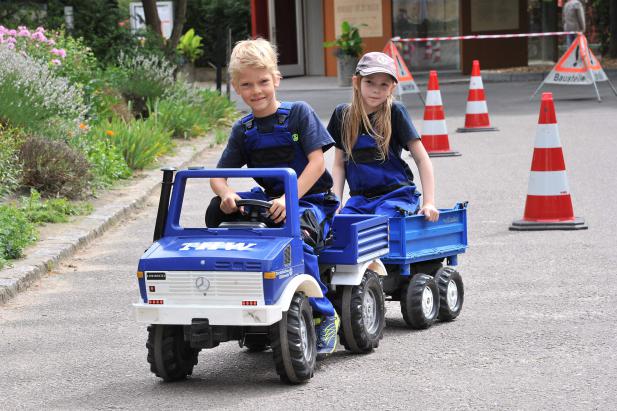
{"x": 299, "y": 28}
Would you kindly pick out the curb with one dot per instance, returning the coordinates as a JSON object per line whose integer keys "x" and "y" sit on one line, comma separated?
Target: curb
{"x": 65, "y": 239}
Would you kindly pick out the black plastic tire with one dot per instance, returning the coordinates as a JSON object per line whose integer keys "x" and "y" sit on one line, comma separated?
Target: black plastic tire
{"x": 420, "y": 309}
{"x": 363, "y": 314}
{"x": 255, "y": 342}
{"x": 170, "y": 357}
{"x": 449, "y": 281}
{"x": 294, "y": 343}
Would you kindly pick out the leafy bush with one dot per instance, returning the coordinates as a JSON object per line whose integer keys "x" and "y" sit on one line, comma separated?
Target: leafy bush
{"x": 141, "y": 78}
{"x": 54, "y": 210}
{"x": 106, "y": 161}
{"x": 16, "y": 232}
{"x": 183, "y": 119}
{"x": 54, "y": 168}
{"x": 10, "y": 167}
{"x": 190, "y": 46}
{"x": 32, "y": 97}
{"x": 139, "y": 141}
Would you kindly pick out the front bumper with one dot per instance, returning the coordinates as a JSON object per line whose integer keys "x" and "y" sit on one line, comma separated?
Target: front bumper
{"x": 216, "y": 315}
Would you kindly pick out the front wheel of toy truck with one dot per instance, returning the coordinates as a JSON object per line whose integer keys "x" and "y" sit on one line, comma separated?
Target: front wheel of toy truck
{"x": 420, "y": 302}
{"x": 363, "y": 314}
{"x": 170, "y": 357}
{"x": 294, "y": 343}
{"x": 451, "y": 293}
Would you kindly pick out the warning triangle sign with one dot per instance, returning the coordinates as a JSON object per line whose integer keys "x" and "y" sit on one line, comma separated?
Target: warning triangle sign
{"x": 578, "y": 66}
{"x": 406, "y": 83}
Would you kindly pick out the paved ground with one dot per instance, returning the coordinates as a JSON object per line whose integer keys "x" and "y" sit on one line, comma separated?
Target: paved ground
{"x": 537, "y": 330}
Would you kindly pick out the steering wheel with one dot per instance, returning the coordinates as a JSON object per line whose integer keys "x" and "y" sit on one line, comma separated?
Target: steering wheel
{"x": 259, "y": 209}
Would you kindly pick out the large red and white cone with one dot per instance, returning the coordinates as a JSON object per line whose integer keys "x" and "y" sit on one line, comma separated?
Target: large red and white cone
{"x": 434, "y": 128}
{"x": 548, "y": 205}
{"x": 476, "y": 114}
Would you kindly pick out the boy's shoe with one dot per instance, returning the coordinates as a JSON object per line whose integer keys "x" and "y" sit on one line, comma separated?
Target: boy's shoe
{"x": 327, "y": 330}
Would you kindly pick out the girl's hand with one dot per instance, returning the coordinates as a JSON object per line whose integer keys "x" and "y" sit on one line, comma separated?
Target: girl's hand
{"x": 277, "y": 211}
{"x": 228, "y": 202}
{"x": 430, "y": 212}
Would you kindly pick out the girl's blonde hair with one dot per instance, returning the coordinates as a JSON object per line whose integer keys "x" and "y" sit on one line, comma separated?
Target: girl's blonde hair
{"x": 355, "y": 119}
{"x": 256, "y": 54}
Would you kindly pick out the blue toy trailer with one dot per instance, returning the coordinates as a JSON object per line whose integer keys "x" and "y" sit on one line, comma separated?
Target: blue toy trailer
{"x": 245, "y": 281}
{"x": 416, "y": 276}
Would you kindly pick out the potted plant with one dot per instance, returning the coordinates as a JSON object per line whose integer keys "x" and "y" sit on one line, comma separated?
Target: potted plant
{"x": 190, "y": 48}
{"x": 348, "y": 50}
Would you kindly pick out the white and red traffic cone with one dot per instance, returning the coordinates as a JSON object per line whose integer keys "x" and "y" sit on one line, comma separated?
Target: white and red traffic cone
{"x": 548, "y": 205}
{"x": 434, "y": 128}
{"x": 476, "y": 114}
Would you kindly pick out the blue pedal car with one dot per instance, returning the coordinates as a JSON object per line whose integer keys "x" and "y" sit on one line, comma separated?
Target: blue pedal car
{"x": 244, "y": 281}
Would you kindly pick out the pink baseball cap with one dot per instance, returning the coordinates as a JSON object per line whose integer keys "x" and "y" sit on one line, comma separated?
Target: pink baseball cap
{"x": 376, "y": 62}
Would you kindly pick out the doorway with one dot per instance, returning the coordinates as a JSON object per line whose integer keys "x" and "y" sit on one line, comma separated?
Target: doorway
{"x": 286, "y": 31}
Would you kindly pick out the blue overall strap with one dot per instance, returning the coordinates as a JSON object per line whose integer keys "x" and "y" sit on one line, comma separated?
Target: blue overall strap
{"x": 282, "y": 116}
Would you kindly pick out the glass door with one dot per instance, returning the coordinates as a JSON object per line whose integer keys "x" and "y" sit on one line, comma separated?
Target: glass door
{"x": 286, "y": 30}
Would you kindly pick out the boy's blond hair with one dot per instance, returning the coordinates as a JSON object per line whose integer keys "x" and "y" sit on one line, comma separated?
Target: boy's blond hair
{"x": 255, "y": 54}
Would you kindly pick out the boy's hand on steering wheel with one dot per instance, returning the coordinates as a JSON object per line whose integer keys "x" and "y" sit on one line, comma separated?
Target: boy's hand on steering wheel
{"x": 277, "y": 211}
{"x": 228, "y": 203}
{"x": 430, "y": 212}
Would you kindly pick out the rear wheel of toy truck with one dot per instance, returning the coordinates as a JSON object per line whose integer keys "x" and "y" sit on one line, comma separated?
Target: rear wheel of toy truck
{"x": 420, "y": 302}
{"x": 363, "y": 314}
{"x": 451, "y": 293}
{"x": 294, "y": 343}
{"x": 170, "y": 357}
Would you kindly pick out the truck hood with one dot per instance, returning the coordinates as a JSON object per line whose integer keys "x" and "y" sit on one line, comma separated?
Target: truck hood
{"x": 213, "y": 254}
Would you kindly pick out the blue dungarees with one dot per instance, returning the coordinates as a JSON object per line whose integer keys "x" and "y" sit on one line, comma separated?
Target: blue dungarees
{"x": 378, "y": 186}
{"x": 279, "y": 149}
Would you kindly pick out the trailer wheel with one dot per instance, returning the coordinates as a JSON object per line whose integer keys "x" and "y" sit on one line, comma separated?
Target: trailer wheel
{"x": 420, "y": 302}
{"x": 451, "y": 293}
{"x": 363, "y": 314}
{"x": 294, "y": 343}
{"x": 255, "y": 342}
{"x": 170, "y": 357}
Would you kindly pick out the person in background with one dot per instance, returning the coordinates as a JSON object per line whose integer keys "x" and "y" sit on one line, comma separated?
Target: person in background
{"x": 573, "y": 15}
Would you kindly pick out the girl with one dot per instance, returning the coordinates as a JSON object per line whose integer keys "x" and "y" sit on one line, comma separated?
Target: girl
{"x": 369, "y": 136}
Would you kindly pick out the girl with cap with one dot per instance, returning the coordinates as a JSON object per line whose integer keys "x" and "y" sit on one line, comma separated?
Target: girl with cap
{"x": 369, "y": 135}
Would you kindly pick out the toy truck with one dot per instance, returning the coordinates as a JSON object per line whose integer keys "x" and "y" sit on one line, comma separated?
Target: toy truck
{"x": 244, "y": 281}
{"x": 427, "y": 290}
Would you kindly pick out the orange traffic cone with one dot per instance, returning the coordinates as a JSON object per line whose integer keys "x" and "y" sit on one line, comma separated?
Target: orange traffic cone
{"x": 434, "y": 128}
{"x": 476, "y": 115}
{"x": 548, "y": 205}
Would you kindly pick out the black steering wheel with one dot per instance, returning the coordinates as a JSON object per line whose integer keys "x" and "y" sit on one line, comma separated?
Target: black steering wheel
{"x": 259, "y": 209}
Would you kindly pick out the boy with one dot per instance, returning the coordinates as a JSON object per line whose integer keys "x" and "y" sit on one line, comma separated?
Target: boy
{"x": 279, "y": 134}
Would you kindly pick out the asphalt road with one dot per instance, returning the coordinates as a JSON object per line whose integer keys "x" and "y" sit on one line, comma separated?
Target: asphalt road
{"x": 537, "y": 329}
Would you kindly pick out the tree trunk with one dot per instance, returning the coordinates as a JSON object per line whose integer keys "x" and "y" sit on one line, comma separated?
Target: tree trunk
{"x": 152, "y": 16}
{"x": 612, "y": 46}
{"x": 179, "y": 20}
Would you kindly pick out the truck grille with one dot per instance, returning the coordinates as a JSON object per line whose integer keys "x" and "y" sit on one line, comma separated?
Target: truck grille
{"x": 206, "y": 287}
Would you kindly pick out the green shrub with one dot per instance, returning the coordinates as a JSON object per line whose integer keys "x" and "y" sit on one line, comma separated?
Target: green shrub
{"x": 16, "y": 232}
{"x": 10, "y": 167}
{"x": 141, "y": 78}
{"x": 33, "y": 98}
{"x": 54, "y": 210}
{"x": 183, "y": 119}
{"x": 139, "y": 141}
{"x": 107, "y": 164}
{"x": 54, "y": 168}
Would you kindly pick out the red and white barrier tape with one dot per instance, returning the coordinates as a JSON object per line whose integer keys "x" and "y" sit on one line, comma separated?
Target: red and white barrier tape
{"x": 484, "y": 36}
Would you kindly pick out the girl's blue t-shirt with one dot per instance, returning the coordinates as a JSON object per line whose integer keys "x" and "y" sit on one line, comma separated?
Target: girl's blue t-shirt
{"x": 403, "y": 130}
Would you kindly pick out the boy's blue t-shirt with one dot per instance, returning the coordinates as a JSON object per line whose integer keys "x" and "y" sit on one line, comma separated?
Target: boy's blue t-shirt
{"x": 403, "y": 130}
{"x": 302, "y": 120}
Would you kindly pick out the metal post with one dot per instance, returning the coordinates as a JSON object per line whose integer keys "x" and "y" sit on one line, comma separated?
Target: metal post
{"x": 161, "y": 215}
